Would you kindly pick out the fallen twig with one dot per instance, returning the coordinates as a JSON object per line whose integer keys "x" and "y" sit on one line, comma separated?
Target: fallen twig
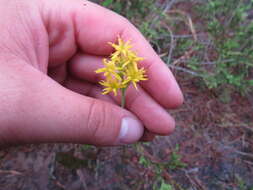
{"x": 239, "y": 152}
{"x": 11, "y": 172}
{"x": 186, "y": 56}
{"x": 184, "y": 70}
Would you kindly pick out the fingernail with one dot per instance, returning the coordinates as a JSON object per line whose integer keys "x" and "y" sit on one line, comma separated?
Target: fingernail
{"x": 131, "y": 130}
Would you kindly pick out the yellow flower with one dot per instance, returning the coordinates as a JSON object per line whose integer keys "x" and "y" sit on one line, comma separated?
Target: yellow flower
{"x": 121, "y": 69}
{"x": 109, "y": 69}
{"x": 121, "y": 47}
{"x": 111, "y": 85}
{"x": 134, "y": 75}
{"x": 133, "y": 57}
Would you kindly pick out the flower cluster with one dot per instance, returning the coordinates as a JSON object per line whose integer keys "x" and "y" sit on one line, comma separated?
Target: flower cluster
{"x": 121, "y": 69}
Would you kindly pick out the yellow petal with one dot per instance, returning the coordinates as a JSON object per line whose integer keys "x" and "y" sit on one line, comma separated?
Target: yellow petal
{"x": 135, "y": 86}
{"x": 115, "y": 92}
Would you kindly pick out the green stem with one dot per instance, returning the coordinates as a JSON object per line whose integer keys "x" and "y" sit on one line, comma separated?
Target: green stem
{"x": 123, "y": 97}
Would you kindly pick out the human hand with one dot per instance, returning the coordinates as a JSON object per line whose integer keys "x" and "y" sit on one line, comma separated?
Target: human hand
{"x": 49, "y": 50}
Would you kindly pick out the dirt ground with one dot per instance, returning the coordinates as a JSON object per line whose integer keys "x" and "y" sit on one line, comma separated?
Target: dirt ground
{"x": 215, "y": 144}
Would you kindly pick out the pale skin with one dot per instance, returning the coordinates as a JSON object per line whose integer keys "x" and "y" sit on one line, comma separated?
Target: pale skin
{"x": 49, "y": 50}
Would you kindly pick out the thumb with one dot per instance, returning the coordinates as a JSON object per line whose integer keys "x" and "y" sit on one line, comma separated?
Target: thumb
{"x": 48, "y": 112}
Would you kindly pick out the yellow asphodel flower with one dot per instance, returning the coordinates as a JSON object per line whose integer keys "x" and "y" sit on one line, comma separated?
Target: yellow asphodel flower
{"x": 134, "y": 58}
{"x": 112, "y": 85}
{"x": 121, "y": 70}
{"x": 134, "y": 75}
{"x": 121, "y": 47}
{"x": 109, "y": 69}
